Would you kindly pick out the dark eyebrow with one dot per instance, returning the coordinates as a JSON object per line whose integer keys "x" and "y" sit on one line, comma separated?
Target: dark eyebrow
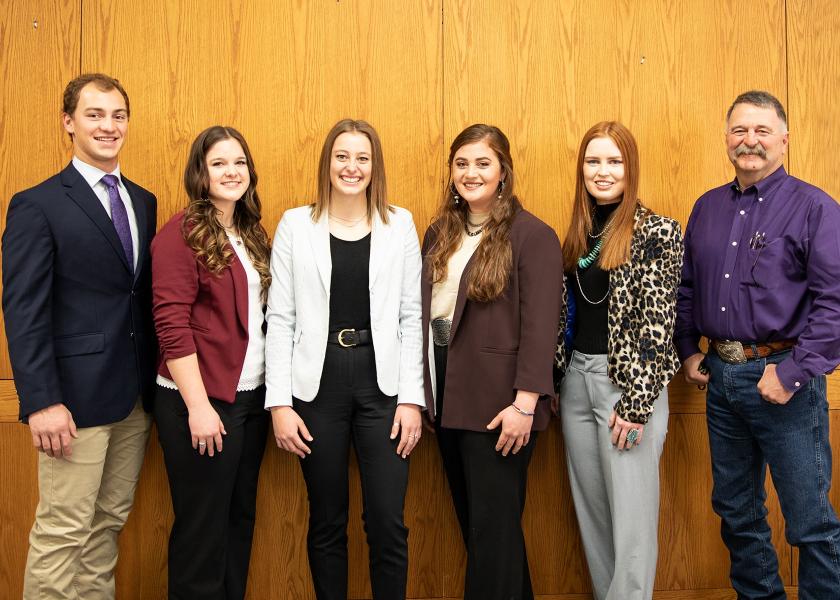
{"x": 348, "y": 151}
{"x": 119, "y": 110}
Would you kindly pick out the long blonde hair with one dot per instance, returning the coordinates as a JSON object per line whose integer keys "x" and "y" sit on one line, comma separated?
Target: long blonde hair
{"x": 376, "y": 191}
{"x": 201, "y": 228}
{"x": 490, "y": 271}
{"x": 616, "y": 248}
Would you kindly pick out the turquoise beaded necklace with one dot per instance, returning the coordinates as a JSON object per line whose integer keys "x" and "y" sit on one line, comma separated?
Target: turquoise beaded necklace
{"x": 584, "y": 262}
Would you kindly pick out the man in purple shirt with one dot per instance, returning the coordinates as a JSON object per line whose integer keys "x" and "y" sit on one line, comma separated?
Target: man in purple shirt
{"x": 761, "y": 281}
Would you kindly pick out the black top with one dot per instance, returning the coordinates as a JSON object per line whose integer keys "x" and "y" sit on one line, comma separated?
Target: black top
{"x": 349, "y": 293}
{"x": 591, "y": 333}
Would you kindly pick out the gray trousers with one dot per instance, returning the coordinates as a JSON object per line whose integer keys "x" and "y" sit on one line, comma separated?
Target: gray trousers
{"x": 616, "y": 493}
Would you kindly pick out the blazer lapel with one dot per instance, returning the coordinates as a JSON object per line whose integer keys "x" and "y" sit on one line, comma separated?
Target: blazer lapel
{"x": 319, "y": 238}
{"x": 240, "y": 290}
{"x": 80, "y": 192}
{"x": 380, "y": 238}
{"x": 461, "y": 301}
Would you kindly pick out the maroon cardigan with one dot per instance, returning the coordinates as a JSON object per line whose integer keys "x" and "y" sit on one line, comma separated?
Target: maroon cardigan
{"x": 499, "y": 347}
{"x": 197, "y": 312}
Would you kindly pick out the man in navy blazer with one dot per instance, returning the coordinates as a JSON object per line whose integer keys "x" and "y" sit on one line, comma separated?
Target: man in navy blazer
{"x": 77, "y": 306}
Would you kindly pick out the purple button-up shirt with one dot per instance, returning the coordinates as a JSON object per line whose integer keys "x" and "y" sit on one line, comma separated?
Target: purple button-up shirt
{"x": 763, "y": 264}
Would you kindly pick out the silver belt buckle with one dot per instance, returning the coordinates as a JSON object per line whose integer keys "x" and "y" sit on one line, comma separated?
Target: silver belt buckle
{"x": 440, "y": 331}
{"x": 731, "y": 351}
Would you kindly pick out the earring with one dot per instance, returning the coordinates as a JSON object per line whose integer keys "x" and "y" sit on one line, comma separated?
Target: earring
{"x": 454, "y": 191}
{"x": 501, "y": 188}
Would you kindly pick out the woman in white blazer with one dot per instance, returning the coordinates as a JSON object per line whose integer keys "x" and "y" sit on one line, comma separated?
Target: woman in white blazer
{"x": 343, "y": 357}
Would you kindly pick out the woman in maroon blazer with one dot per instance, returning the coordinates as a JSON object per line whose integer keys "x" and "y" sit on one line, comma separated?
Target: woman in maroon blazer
{"x": 492, "y": 293}
{"x": 210, "y": 274}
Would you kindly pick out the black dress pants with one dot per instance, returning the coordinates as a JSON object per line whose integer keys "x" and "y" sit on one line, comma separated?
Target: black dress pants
{"x": 488, "y": 491}
{"x": 214, "y": 499}
{"x": 350, "y": 407}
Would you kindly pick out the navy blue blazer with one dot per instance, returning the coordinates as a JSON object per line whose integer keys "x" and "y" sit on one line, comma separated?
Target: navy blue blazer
{"x": 78, "y": 321}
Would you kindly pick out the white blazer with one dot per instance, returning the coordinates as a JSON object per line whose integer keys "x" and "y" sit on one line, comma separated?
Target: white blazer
{"x": 298, "y": 310}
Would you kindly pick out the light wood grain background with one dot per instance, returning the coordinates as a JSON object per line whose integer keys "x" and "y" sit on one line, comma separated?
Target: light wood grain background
{"x": 283, "y": 71}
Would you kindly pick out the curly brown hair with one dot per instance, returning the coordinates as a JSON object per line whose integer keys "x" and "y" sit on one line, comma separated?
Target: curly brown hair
{"x": 489, "y": 275}
{"x": 201, "y": 228}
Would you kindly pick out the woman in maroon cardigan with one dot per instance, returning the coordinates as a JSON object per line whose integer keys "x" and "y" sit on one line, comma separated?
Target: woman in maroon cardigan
{"x": 210, "y": 274}
{"x": 491, "y": 292}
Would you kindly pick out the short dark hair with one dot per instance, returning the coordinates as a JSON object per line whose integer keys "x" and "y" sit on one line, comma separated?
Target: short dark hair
{"x": 762, "y": 99}
{"x": 103, "y": 82}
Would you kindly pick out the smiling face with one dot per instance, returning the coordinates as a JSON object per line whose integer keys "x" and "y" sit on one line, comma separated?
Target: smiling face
{"x": 227, "y": 172}
{"x": 476, "y": 172}
{"x": 98, "y": 126}
{"x": 350, "y": 164}
{"x": 603, "y": 170}
{"x": 756, "y": 142}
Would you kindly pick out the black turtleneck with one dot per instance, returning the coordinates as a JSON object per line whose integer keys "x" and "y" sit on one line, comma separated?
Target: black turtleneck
{"x": 591, "y": 334}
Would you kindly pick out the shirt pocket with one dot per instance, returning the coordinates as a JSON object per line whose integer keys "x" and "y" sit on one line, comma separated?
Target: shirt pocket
{"x": 772, "y": 264}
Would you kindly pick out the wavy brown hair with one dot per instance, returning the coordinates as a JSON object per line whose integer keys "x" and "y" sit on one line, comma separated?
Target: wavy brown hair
{"x": 376, "y": 191}
{"x": 616, "y": 248}
{"x": 201, "y": 228}
{"x": 490, "y": 271}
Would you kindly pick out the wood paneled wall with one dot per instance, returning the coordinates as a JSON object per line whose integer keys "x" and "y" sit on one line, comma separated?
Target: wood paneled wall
{"x": 420, "y": 70}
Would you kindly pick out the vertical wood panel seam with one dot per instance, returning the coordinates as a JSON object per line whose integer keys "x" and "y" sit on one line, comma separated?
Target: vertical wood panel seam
{"x": 443, "y": 153}
{"x": 791, "y": 165}
{"x": 81, "y": 33}
{"x": 787, "y": 84}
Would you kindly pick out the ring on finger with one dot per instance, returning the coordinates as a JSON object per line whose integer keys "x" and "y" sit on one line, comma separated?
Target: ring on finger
{"x": 632, "y": 436}
{"x": 202, "y": 444}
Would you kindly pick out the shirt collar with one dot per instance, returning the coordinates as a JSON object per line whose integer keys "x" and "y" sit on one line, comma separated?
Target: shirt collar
{"x": 92, "y": 174}
{"x": 766, "y": 185}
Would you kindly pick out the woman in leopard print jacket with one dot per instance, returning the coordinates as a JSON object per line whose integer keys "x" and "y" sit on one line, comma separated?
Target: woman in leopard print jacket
{"x": 613, "y": 364}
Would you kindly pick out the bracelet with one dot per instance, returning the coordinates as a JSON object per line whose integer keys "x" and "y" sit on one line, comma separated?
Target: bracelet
{"x": 524, "y": 413}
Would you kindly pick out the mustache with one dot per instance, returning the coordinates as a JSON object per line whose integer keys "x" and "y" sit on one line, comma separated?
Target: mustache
{"x": 757, "y": 150}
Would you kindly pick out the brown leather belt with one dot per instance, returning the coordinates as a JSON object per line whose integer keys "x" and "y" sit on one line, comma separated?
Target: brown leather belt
{"x": 737, "y": 352}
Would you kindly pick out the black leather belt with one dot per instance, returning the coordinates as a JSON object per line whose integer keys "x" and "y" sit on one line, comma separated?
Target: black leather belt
{"x": 348, "y": 338}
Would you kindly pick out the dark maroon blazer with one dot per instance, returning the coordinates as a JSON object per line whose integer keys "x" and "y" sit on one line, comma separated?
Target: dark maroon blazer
{"x": 198, "y": 312}
{"x": 499, "y": 347}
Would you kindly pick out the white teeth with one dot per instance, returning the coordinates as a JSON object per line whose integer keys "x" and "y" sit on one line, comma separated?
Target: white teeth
{"x": 351, "y": 179}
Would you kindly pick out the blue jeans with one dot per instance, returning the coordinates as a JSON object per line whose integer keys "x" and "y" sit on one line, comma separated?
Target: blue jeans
{"x": 747, "y": 434}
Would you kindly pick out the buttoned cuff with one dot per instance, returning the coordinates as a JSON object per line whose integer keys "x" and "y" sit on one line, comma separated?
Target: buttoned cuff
{"x": 791, "y": 375}
{"x": 687, "y": 347}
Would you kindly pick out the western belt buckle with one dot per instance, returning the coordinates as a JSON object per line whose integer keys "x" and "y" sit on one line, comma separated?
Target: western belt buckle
{"x": 352, "y": 343}
{"x": 731, "y": 351}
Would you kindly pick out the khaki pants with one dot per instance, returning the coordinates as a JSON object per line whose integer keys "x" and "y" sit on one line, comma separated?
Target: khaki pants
{"x": 84, "y": 503}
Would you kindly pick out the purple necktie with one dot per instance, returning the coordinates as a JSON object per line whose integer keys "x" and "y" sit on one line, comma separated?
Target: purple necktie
{"x": 120, "y": 217}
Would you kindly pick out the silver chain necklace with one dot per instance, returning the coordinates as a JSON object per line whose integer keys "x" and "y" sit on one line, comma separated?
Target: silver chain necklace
{"x": 585, "y": 297}
{"x": 349, "y": 222}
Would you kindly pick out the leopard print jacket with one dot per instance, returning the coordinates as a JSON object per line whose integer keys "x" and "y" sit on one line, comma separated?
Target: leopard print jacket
{"x": 641, "y": 314}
